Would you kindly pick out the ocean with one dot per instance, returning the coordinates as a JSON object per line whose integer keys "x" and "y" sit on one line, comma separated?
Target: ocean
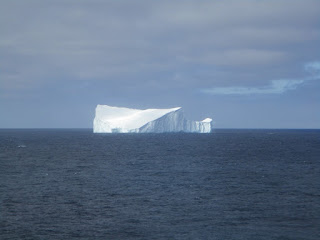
{"x": 231, "y": 184}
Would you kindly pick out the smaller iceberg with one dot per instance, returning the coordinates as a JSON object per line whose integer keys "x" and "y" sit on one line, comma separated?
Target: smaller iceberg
{"x": 110, "y": 119}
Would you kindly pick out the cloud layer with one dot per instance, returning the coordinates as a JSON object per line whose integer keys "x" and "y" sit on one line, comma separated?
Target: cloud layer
{"x": 74, "y": 54}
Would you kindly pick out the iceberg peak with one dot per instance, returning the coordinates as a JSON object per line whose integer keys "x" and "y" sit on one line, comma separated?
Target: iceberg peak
{"x": 207, "y": 120}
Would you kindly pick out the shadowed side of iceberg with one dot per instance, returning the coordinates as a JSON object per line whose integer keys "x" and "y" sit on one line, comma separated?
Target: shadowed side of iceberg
{"x": 176, "y": 122}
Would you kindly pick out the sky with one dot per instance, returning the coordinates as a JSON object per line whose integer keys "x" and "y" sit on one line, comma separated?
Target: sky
{"x": 246, "y": 64}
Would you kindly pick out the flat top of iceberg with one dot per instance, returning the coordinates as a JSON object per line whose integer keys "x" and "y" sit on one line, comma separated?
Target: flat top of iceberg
{"x": 128, "y": 118}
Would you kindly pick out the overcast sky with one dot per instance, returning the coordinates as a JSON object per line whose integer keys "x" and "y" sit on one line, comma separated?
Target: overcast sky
{"x": 246, "y": 64}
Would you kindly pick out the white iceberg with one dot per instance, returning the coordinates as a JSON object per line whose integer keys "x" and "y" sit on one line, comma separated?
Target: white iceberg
{"x": 126, "y": 120}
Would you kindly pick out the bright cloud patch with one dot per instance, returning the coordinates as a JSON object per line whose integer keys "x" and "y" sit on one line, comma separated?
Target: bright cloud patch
{"x": 275, "y": 87}
{"x": 313, "y": 68}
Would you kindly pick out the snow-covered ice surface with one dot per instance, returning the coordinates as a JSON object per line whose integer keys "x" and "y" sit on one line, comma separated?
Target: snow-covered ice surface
{"x": 126, "y": 120}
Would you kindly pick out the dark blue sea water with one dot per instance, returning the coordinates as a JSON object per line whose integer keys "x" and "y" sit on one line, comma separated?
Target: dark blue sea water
{"x": 232, "y": 184}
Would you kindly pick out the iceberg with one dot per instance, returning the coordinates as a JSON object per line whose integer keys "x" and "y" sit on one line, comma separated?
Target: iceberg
{"x": 110, "y": 119}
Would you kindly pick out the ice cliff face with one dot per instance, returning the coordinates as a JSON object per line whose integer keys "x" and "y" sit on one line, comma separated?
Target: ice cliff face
{"x": 125, "y": 120}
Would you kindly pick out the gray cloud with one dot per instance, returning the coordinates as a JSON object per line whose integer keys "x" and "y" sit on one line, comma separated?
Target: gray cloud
{"x": 105, "y": 39}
